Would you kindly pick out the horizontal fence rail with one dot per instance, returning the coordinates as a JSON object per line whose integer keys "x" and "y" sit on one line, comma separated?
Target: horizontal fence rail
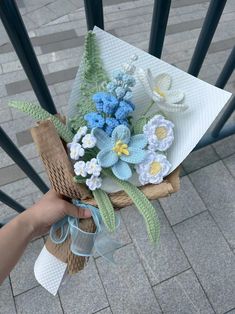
{"x": 19, "y": 38}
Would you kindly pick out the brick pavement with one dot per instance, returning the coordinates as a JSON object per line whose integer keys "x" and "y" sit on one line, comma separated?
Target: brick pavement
{"x": 193, "y": 268}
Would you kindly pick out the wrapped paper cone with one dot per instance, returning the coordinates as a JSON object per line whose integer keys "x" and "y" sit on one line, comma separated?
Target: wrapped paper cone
{"x": 60, "y": 173}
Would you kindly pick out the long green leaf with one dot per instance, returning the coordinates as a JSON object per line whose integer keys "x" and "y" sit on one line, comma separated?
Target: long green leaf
{"x": 39, "y": 113}
{"x": 143, "y": 205}
{"x": 106, "y": 208}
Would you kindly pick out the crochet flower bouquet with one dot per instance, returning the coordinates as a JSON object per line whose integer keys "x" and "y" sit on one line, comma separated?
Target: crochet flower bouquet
{"x": 127, "y": 129}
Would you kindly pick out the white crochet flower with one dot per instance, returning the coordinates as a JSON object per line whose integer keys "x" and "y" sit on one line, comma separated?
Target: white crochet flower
{"x": 94, "y": 183}
{"x": 159, "y": 133}
{"x": 92, "y": 167}
{"x": 81, "y": 132}
{"x": 153, "y": 169}
{"x": 158, "y": 89}
{"x": 80, "y": 168}
{"x": 76, "y": 150}
{"x": 88, "y": 141}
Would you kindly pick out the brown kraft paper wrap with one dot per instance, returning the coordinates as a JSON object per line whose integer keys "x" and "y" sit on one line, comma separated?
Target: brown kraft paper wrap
{"x": 60, "y": 172}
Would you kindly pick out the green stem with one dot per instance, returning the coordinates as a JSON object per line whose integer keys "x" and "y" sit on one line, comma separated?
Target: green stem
{"x": 149, "y": 107}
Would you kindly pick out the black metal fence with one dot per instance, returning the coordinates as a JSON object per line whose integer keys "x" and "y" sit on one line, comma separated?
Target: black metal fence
{"x": 18, "y": 35}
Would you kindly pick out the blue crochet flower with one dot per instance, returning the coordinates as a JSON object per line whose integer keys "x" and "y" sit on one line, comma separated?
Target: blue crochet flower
{"x": 120, "y": 92}
{"x": 105, "y": 102}
{"x": 124, "y": 109}
{"x": 119, "y": 150}
{"x": 129, "y": 80}
{"x": 111, "y": 86}
{"x": 118, "y": 74}
{"x": 111, "y": 124}
{"x": 94, "y": 120}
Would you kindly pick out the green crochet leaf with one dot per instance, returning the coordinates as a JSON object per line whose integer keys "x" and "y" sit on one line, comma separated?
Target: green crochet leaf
{"x": 93, "y": 78}
{"x": 39, "y": 113}
{"x": 106, "y": 209}
{"x": 143, "y": 205}
{"x": 139, "y": 124}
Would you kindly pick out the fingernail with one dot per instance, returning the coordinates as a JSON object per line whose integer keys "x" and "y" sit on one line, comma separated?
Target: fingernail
{"x": 87, "y": 213}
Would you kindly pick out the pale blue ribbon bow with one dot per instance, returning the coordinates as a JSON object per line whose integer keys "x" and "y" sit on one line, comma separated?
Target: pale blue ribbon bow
{"x": 86, "y": 243}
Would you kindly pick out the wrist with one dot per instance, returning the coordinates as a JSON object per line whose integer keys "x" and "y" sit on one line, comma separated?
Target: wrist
{"x": 25, "y": 225}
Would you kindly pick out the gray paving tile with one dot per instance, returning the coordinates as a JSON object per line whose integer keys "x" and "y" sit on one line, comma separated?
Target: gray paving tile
{"x": 184, "y": 26}
{"x": 36, "y": 301}
{"x": 6, "y": 298}
{"x": 200, "y": 159}
{"x": 126, "y": 284}
{"x": 183, "y": 204}
{"x": 230, "y": 164}
{"x": 211, "y": 259}
{"x": 10, "y": 174}
{"x": 183, "y": 294}
{"x": 24, "y": 138}
{"x": 225, "y": 147}
{"x": 22, "y": 276}
{"x": 61, "y": 45}
{"x": 183, "y": 3}
{"x": 5, "y": 115}
{"x": 52, "y": 78}
{"x": 221, "y": 45}
{"x": 215, "y": 184}
{"x": 54, "y": 37}
{"x": 162, "y": 261}
{"x": 105, "y": 311}
{"x": 83, "y": 293}
{"x": 61, "y": 7}
{"x": 40, "y": 16}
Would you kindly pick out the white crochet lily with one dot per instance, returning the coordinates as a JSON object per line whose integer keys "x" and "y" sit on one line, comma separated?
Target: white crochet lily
{"x": 159, "y": 90}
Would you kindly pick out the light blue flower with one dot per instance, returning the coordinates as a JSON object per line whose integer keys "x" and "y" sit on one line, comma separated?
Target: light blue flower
{"x": 120, "y": 92}
{"x": 120, "y": 150}
{"x": 129, "y": 80}
{"x": 111, "y": 86}
{"x": 94, "y": 120}
{"x": 118, "y": 74}
{"x": 105, "y": 102}
{"x": 128, "y": 95}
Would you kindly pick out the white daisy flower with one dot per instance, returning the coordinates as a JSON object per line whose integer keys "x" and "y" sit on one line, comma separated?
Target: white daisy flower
{"x": 159, "y": 90}
{"x": 76, "y": 151}
{"x": 81, "y": 132}
{"x": 88, "y": 141}
{"x": 159, "y": 133}
{"x": 92, "y": 167}
{"x": 94, "y": 183}
{"x": 80, "y": 168}
{"x": 153, "y": 169}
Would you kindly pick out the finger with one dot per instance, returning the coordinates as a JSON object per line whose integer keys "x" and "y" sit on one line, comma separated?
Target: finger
{"x": 74, "y": 211}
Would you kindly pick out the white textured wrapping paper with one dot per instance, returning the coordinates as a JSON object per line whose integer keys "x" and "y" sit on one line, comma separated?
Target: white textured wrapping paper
{"x": 204, "y": 101}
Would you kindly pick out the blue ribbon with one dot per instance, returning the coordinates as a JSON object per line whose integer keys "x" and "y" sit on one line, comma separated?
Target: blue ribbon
{"x": 86, "y": 243}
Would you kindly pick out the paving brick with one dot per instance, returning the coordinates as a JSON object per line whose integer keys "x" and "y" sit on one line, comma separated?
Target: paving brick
{"x": 105, "y": 311}
{"x": 5, "y": 115}
{"x": 215, "y": 184}
{"x": 40, "y": 16}
{"x": 10, "y": 174}
{"x": 230, "y": 164}
{"x": 66, "y": 63}
{"x": 126, "y": 284}
{"x": 222, "y": 45}
{"x": 83, "y": 293}
{"x": 182, "y": 294}
{"x": 225, "y": 147}
{"x": 163, "y": 260}
{"x": 38, "y": 300}
{"x": 183, "y": 204}
{"x": 6, "y": 298}
{"x": 65, "y": 44}
{"x": 211, "y": 259}
{"x": 199, "y": 159}
{"x": 61, "y": 7}
{"x": 63, "y": 87}
{"x": 183, "y": 3}
{"x": 22, "y": 276}
{"x": 24, "y": 138}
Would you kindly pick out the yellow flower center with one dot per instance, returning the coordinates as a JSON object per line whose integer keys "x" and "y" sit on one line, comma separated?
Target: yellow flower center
{"x": 161, "y": 132}
{"x": 121, "y": 148}
{"x": 159, "y": 91}
{"x": 155, "y": 168}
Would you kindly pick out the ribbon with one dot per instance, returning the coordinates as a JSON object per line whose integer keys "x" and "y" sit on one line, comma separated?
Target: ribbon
{"x": 86, "y": 243}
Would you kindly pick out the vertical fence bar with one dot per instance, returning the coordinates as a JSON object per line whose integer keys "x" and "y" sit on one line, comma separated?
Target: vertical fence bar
{"x": 207, "y": 32}
{"x": 94, "y": 13}
{"x": 10, "y": 202}
{"x": 224, "y": 118}
{"x": 9, "y": 147}
{"x": 227, "y": 70}
{"x": 158, "y": 28}
{"x": 18, "y": 35}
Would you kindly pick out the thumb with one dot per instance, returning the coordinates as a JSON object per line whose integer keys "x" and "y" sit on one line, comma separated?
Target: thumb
{"x": 75, "y": 211}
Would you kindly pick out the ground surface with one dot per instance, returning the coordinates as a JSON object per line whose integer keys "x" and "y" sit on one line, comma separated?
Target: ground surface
{"x": 193, "y": 269}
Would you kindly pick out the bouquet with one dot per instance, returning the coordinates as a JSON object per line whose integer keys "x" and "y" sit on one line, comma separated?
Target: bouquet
{"x": 131, "y": 122}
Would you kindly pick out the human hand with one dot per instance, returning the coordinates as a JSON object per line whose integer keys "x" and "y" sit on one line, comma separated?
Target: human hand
{"x": 48, "y": 210}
